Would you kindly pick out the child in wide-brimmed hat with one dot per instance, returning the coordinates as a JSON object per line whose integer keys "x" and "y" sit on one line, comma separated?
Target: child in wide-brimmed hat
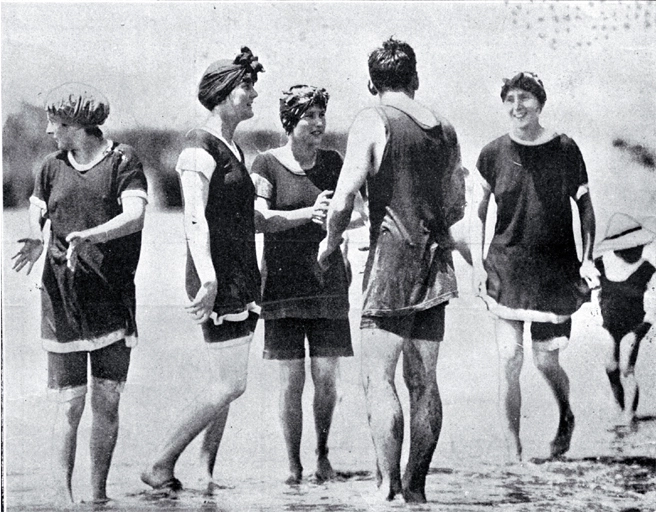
{"x": 627, "y": 263}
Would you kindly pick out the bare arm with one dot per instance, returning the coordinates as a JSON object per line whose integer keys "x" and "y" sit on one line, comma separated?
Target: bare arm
{"x": 33, "y": 245}
{"x": 271, "y": 221}
{"x": 131, "y": 220}
{"x": 480, "y": 205}
{"x": 366, "y": 143}
{"x": 195, "y": 191}
{"x": 586, "y": 212}
{"x": 588, "y": 270}
{"x": 650, "y": 300}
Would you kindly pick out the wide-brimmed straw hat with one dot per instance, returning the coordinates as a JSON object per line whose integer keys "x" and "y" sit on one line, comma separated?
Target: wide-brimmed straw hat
{"x": 625, "y": 232}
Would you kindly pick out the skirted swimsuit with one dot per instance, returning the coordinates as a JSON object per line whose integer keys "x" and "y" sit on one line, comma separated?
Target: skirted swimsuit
{"x": 231, "y": 222}
{"x": 294, "y": 286}
{"x": 532, "y": 263}
{"x": 298, "y": 296}
{"x": 92, "y": 306}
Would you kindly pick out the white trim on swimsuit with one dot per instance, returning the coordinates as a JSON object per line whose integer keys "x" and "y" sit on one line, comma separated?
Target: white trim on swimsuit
{"x": 89, "y": 344}
{"x": 236, "y": 317}
{"x": 523, "y": 315}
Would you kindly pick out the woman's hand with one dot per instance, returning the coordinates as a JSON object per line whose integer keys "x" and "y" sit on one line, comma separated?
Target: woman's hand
{"x": 28, "y": 254}
{"x": 74, "y": 239}
{"x": 590, "y": 273}
{"x": 320, "y": 208}
{"x": 324, "y": 254}
{"x": 201, "y": 307}
{"x": 480, "y": 282}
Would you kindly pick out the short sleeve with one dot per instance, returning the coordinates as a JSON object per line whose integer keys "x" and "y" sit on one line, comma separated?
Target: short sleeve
{"x": 131, "y": 179}
{"x": 485, "y": 174}
{"x": 650, "y": 300}
{"x": 41, "y": 192}
{"x": 196, "y": 159}
{"x": 263, "y": 177}
{"x": 577, "y": 172}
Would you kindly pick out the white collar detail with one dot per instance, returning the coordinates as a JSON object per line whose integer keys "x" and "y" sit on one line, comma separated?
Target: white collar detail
{"x": 547, "y": 136}
{"x": 231, "y": 145}
{"x": 286, "y": 158}
{"x": 85, "y": 167}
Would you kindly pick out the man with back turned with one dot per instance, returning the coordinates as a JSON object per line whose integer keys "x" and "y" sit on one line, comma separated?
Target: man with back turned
{"x": 410, "y": 161}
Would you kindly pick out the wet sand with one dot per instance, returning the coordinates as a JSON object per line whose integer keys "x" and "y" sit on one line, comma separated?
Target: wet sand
{"x": 607, "y": 469}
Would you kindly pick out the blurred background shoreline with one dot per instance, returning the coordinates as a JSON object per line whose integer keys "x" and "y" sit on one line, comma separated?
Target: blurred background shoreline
{"x": 597, "y": 60}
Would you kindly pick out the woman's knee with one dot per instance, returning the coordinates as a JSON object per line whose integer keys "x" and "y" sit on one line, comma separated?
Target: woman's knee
{"x": 511, "y": 358}
{"x": 375, "y": 381}
{"x": 237, "y": 388}
{"x": 510, "y": 343}
{"x": 546, "y": 360}
{"x": 105, "y": 398}
{"x": 325, "y": 387}
{"x": 227, "y": 391}
{"x": 612, "y": 366}
{"x": 626, "y": 368}
{"x": 324, "y": 373}
{"x": 291, "y": 387}
{"x": 72, "y": 410}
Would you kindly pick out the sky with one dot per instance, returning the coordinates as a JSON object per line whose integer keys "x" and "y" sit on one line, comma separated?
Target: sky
{"x": 148, "y": 57}
{"x": 597, "y": 59}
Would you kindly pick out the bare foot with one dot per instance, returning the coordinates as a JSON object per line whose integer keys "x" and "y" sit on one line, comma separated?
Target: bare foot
{"x": 513, "y": 449}
{"x": 628, "y": 419}
{"x": 384, "y": 494}
{"x": 294, "y": 479}
{"x": 414, "y": 496}
{"x": 325, "y": 470}
{"x": 161, "y": 479}
{"x": 413, "y": 492}
{"x": 560, "y": 444}
{"x": 387, "y": 491}
{"x": 212, "y": 485}
{"x": 295, "y": 474}
{"x": 100, "y": 500}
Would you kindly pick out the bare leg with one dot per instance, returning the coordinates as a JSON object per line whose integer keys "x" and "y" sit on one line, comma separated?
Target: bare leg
{"x": 509, "y": 335}
{"x": 67, "y": 420}
{"x": 292, "y": 381}
{"x": 210, "y": 446}
{"x": 380, "y": 354}
{"x": 227, "y": 383}
{"x": 612, "y": 354}
{"x": 616, "y": 385}
{"x": 419, "y": 367}
{"x": 324, "y": 374}
{"x": 549, "y": 365}
{"x": 628, "y": 357}
{"x": 104, "y": 433}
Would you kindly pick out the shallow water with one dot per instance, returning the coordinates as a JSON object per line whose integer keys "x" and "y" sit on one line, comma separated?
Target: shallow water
{"x": 607, "y": 468}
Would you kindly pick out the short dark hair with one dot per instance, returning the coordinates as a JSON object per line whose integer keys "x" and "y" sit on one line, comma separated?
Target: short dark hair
{"x": 393, "y": 66}
{"x": 298, "y": 100}
{"x": 526, "y": 81}
{"x": 632, "y": 254}
{"x": 93, "y": 131}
